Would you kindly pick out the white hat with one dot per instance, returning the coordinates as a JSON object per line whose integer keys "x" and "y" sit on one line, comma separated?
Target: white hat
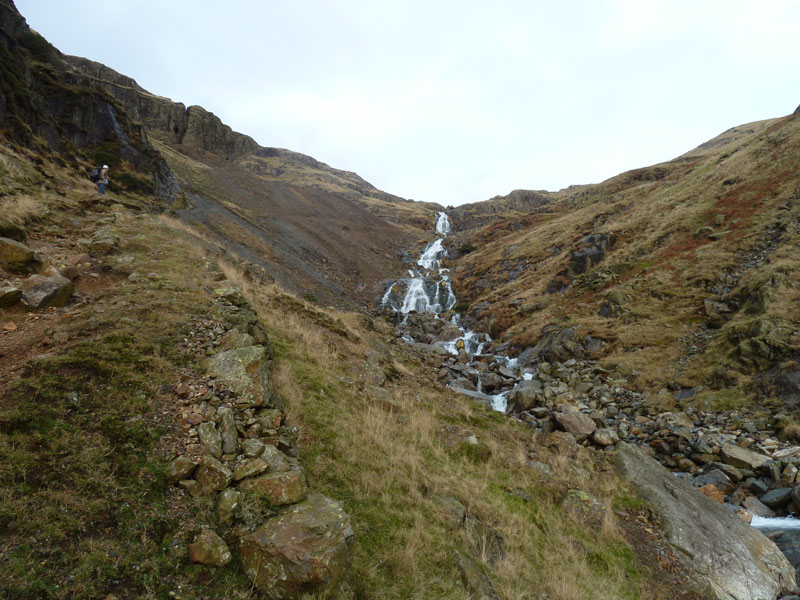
{"x": 105, "y": 166}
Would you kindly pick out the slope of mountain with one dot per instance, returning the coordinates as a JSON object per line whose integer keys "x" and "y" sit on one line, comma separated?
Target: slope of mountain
{"x": 321, "y": 232}
{"x": 685, "y": 271}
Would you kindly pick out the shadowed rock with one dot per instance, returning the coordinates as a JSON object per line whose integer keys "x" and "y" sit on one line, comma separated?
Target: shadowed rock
{"x": 40, "y": 292}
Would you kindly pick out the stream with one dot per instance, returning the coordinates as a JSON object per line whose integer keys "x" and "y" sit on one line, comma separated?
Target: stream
{"x": 428, "y": 289}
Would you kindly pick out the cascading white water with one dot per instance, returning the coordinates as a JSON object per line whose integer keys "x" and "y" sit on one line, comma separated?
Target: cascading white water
{"x": 430, "y": 291}
{"x": 442, "y": 224}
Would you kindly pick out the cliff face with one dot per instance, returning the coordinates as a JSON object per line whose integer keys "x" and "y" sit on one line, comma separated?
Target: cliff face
{"x": 46, "y": 107}
{"x": 172, "y": 122}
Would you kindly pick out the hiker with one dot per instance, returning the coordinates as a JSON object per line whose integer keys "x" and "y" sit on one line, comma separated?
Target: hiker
{"x": 103, "y": 181}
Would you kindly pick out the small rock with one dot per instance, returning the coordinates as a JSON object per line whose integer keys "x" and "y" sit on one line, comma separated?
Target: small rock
{"x": 279, "y": 488}
{"x": 210, "y": 438}
{"x": 181, "y": 468}
{"x": 249, "y": 468}
{"x": 252, "y": 448}
{"x": 9, "y": 296}
{"x": 228, "y": 501}
{"x": 578, "y": 424}
{"x": 605, "y": 437}
{"x": 209, "y": 549}
{"x": 213, "y": 475}
{"x": 777, "y": 498}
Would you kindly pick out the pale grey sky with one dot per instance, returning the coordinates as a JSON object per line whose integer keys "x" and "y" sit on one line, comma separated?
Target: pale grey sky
{"x": 448, "y": 101}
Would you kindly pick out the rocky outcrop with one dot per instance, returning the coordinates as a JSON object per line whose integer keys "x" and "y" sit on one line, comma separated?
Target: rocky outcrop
{"x": 733, "y": 560}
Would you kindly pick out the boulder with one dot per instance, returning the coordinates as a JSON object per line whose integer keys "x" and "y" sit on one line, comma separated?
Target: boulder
{"x": 17, "y": 257}
{"x": 732, "y": 560}
{"x": 278, "y": 489}
{"x": 578, "y": 424}
{"x": 40, "y": 292}
{"x": 758, "y": 508}
{"x": 475, "y": 581}
{"x": 304, "y": 547}
{"x": 605, "y": 437}
{"x": 9, "y": 295}
{"x": 777, "y": 498}
{"x": 181, "y": 468}
{"x": 245, "y": 371}
{"x": 103, "y": 242}
{"x": 228, "y": 502}
{"x": 212, "y": 474}
{"x": 525, "y": 395}
{"x": 742, "y": 458}
{"x": 716, "y": 478}
{"x": 209, "y": 549}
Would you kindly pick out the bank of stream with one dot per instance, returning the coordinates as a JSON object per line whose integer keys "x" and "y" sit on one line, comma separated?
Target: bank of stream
{"x": 733, "y": 457}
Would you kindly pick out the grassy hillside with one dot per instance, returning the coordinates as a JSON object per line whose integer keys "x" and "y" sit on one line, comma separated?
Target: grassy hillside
{"x": 90, "y": 414}
{"x": 697, "y": 286}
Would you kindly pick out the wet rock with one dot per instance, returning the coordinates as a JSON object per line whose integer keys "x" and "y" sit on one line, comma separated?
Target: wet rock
{"x": 245, "y": 371}
{"x": 777, "y": 498}
{"x": 17, "y": 257}
{"x": 758, "y": 508}
{"x": 212, "y": 474}
{"x": 210, "y": 438}
{"x": 279, "y": 489}
{"x": 525, "y": 395}
{"x": 304, "y": 547}
{"x": 40, "y": 292}
{"x": 732, "y": 559}
{"x": 742, "y": 457}
{"x": 9, "y": 295}
{"x": 180, "y": 468}
{"x": 475, "y": 581}
{"x": 209, "y": 549}
{"x": 578, "y": 424}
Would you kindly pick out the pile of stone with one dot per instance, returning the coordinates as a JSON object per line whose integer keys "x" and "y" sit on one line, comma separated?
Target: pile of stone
{"x": 239, "y": 452}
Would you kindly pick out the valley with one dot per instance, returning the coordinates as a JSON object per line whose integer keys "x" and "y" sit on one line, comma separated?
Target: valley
{"x": 243, "y": 373}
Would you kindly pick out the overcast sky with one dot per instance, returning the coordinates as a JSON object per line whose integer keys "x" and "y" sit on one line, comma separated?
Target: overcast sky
{"x": 448, "y": 101}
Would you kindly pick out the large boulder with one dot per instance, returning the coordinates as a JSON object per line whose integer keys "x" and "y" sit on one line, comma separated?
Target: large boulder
{"x": 40, "y": 292}
{"x": 306, "y": 546}
{"x": 731, "y": 559}
{"x": 245, "y": 371}
{"x": 17, "y": 257}
{"x": 742, "y": 458}
{"x": 525, "y": 395}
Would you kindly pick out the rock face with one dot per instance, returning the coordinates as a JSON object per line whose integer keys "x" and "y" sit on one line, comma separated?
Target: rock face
{"x": 306, "y": 545}
{"x": 734, "y": 561}
{"x": 40, "y": 292}
{"x": 245, "y": 371}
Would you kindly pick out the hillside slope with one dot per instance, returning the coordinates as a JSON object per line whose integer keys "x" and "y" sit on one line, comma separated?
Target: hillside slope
{"x": 319, "y": 231}
{"x": 686, "y": 270}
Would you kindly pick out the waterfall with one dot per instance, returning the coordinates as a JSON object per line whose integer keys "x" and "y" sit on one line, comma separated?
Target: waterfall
{"x": 429, "y": 290}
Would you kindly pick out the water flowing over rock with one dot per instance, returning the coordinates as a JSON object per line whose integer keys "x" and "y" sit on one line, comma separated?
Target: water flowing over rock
{"x": 734, "y": 560}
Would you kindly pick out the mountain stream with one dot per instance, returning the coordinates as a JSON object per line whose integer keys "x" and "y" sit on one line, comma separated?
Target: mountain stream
{"x": 428, "y": 290}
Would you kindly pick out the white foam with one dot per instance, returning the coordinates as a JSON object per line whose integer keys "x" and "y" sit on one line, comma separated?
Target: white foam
{"x": 775, "y": 523}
